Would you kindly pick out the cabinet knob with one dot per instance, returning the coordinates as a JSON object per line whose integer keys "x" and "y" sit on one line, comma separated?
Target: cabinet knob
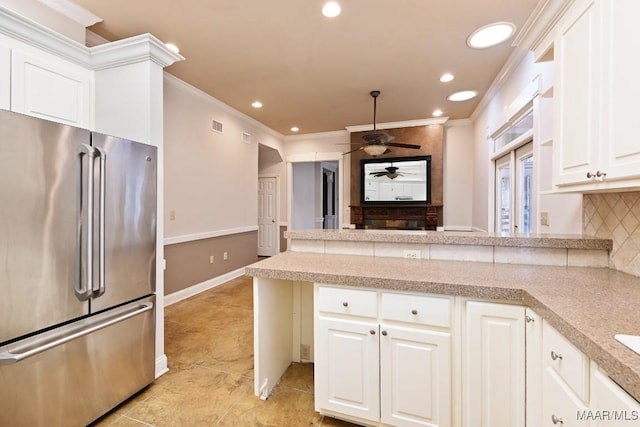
{"x": 345, "y": 304}
{"x": 590, "y": 175}
{"x": 600, "y": 174}
{"x": 529, "y": 319}
{"x": 556, "y": 420}
{"x": 556, "y": 356}
{"x": 384, "y": 333}
{"x": 414, "y": 312}
{"x": 372, "y": 332}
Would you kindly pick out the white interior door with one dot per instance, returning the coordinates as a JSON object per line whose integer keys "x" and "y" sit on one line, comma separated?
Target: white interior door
{"x": 267, "y": 216}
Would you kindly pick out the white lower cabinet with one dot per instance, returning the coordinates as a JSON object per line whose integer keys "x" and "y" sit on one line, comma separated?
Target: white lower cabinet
{"x": 415, "y": 377}
{"x": 610, "y": 406}
{"x": 386, "y": 362}
{"x": 493, "y": 365}
{"x": 387, "y": 359}
{"x": 347, "y": 368}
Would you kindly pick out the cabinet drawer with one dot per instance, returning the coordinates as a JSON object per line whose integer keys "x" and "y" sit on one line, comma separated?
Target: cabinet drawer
{"x": 560, "y": 406}
{"x": 417, "y": 309}
{"x": 569, "y": 362}
{"x": 352, "y": 302}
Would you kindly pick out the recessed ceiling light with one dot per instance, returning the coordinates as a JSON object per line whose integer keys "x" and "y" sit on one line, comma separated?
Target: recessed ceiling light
{"x": 256, "y": 104}
{"x": 295, "y": 129}
{"x": 172, "y": 47}
{"x": 437, "y": 113}
{"x": 446, "y": 77}
{"x": 331, "y": 9}
{"x": 463, "y": 95}
{"x": 491, "y": 35}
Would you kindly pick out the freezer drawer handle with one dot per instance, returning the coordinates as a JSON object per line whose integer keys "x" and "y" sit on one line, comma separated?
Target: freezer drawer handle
{"x": 17, "y": 354}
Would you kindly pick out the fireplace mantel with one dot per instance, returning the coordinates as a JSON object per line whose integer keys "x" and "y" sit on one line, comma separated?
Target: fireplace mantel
{"x": 397, "y": 217}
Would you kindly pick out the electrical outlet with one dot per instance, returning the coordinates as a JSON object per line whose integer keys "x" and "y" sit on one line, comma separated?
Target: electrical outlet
{"x": 544, "y": 218}
{"x": 211, "y": 259}
{"x": 305, "y": 352}
{"x": 412, "y": 253}
{"x": 225, "y": 256}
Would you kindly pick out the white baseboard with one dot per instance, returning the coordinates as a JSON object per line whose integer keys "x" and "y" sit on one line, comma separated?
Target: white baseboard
{"x": 200, "y": 287}
{"x": 162, "y": 366}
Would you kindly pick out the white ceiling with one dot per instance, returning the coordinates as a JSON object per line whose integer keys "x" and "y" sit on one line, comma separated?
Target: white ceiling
{"x": 316, "y": 73}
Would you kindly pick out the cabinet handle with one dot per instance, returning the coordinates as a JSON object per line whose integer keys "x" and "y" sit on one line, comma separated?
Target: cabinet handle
{"x": 529, "y": 319}
{"x": 384, "y": 333}
{"x": 372, "y": 332}
{"x": 414, "y": 312}
{"x": 590, "y": 175}
{"x": 600, "y": 174}
{"x": 345, "y": 304}
{"x": 556, "y": 356}
{"x": 556, "y": 420}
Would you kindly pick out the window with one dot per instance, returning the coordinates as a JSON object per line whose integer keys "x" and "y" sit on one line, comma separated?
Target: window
{"x": 514, "y": 177}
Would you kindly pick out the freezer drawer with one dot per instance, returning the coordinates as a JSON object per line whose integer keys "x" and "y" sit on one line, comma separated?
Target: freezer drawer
{"x": 85, "y": 369}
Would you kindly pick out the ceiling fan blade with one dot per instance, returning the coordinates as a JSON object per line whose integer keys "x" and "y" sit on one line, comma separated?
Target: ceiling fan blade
{"x": 398, "y": 144}
{"x": 355, "y": 149}
{"x": 377, "y": 137}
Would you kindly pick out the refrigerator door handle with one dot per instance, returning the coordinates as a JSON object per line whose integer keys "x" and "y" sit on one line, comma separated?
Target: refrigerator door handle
{"x": 21, "y": 352}
{"x": 84, "y": 285}
{"x": 102, "y": 155}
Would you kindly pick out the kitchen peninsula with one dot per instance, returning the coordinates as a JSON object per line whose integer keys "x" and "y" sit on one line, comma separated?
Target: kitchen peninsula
{"x": 564, "y": 280}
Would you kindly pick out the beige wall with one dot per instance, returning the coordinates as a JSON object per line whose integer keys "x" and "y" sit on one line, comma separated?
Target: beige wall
{"x": 458, "y": 174}
{"x": 616, "y": 216}
{"x": 188, "y": 263}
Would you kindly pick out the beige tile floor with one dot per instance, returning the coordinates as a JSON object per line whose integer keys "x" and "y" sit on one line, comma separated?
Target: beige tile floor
{"x": 209, "y": 344}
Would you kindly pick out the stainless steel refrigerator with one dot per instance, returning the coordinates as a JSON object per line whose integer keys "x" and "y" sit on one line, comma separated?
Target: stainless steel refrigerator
{"x": 77, "y": 271}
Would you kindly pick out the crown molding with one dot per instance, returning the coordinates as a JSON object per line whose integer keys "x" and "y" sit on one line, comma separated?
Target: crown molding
{"x": 73, "y": 11}
{"x": 396, "y": 125}
{"x": 34, "y": 34}
{"x": 173, "y": 80}
{"x": 132, "y": 50}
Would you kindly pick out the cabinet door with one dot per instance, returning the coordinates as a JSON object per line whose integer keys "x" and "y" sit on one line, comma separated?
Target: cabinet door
{"x": 621, "y": 154}
{"x": 347, "y": 371}
{"x": 494, "y": 365}
{"x": 611, "y": 406}
{"x": 576, "y": 96}
{"x": 560, "y": 406}
{"x": 415, "y": 377}
{"x": 50, "y": 89}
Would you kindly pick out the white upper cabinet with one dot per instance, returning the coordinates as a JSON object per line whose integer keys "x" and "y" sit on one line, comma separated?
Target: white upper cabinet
{"x": 55, "y": 90}
{"x": 595, "y": 143}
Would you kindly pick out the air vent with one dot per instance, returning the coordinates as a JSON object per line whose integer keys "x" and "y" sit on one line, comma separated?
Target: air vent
{"x": 246, "y": 137}
{"x": 217, "y": 126}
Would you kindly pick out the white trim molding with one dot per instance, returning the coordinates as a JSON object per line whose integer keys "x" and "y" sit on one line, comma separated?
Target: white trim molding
{"x": 162, "y": 365}
{"x": 73, "y": 11}
{"x": 201, "y": 287}
{"x": 208, "y": 235}
{"x": 396, "y": 125}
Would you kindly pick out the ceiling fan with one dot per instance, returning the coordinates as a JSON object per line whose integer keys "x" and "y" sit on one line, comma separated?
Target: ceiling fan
{"x": 390, "y": 172}
{"x": 378, "y": 143}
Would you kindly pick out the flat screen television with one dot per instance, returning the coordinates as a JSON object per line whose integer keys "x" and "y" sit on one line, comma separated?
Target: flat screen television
{"x": 399, "y": 180}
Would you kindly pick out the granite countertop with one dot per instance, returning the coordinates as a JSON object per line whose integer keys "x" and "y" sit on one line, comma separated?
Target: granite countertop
{"x": 566, "y": 241}
{"x": 587, "y": 305}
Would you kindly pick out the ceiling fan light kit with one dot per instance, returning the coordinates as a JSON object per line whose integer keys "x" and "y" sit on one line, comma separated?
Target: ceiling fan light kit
{"x": 378, "y": 143}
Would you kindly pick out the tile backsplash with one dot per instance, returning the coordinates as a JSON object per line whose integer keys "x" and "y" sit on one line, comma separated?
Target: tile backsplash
{"x": 615, "y": 216}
